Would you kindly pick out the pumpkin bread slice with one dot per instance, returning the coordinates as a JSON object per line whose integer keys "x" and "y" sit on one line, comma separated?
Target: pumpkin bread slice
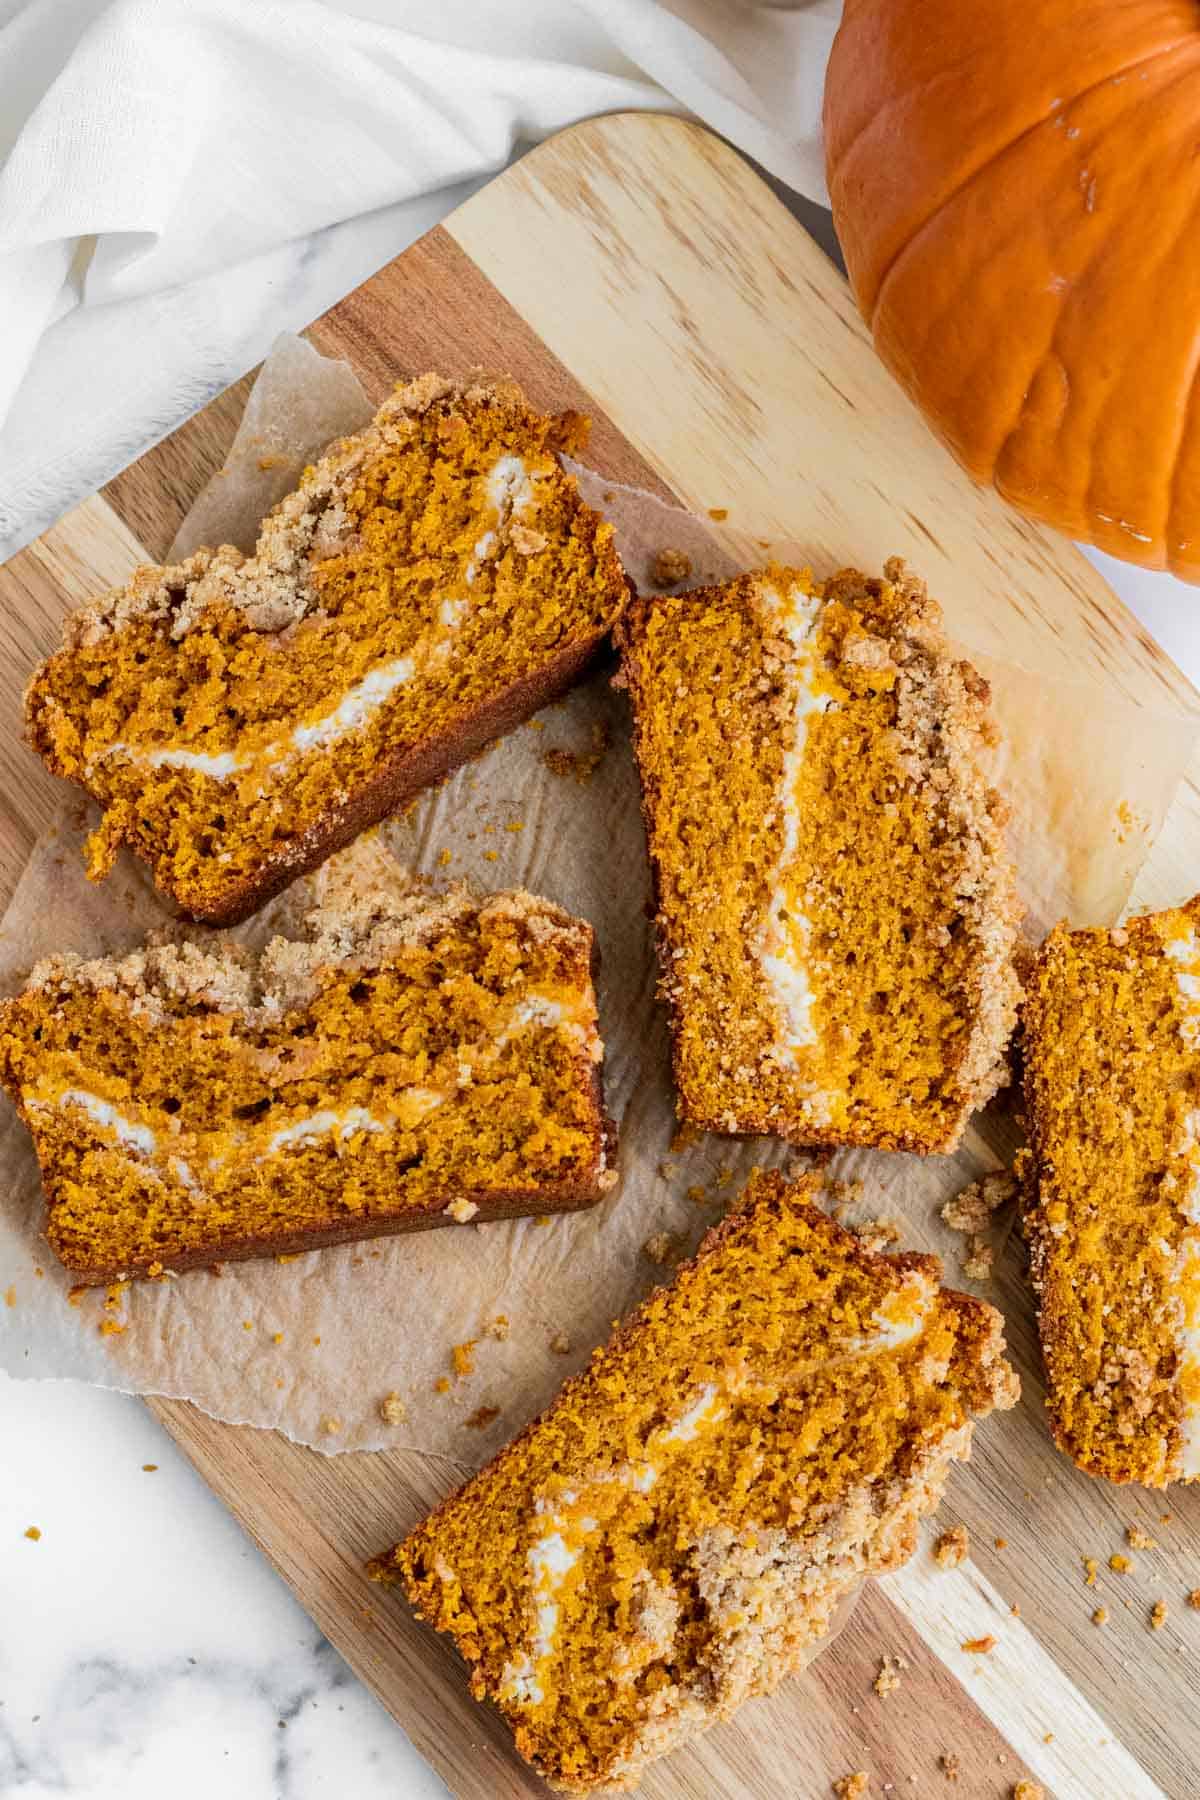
{"x": 405, "y": 1060}
{"x": 836, "y": 910}
{"x": 1112, "y": 1191}
{"x": 430, "y": 584}
{"x": 674, "y": 1534}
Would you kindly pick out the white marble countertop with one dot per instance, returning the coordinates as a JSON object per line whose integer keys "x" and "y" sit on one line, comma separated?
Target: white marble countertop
{"x": 146, "y": 1649}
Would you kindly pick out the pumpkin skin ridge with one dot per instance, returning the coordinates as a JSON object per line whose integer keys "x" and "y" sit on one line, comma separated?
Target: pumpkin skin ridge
{"x": 1066, "y": 371}
{"x": 987, "y": 167}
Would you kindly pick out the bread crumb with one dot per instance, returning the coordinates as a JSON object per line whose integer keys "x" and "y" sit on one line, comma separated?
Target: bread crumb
{"x": 582, "y": 764}
{"x": 685, "y": 1136}
{"x": 718, "y": 513}
{"x": 888, "y": 1678}
{"x": 463, "y": 1358}
{"x": 1000, "y": 1543}
{"x": 560, "y": 1344}
{"x": 949, "y": 1764}
{"x": 972, "y": 1207}
{"x": 1121, "y": 1565}
{"x": 977, "y": 1264}
{"x": 1193, "y": 1599}
{"x": 442, "y": 1385}
{"x": 1158, "y": 1615}
{"x": 1137, "y": 1539}
{"x": 149, "y": 1468}
{"x": 1029, "y": 1790}
{"x": 1100, "y": 1616}
{"x": 661, "y": 1248}
{"x": 331, "y": 1425}
{"x": 110, "y": 1328}
{"x": 670, "y": 567}
{"x": 696, "y": 1194}
{"x": 852, "y": 1787}
{"x": 876, "y": 1235}
{"x": 462, "y": 1209}
{"x": 1091, "y": 1569}
{"x": 980, "y": 1646}
{"x": 33, "y": 1533}
{"x": 392, "y": 1409}
{"x": 444, "y": 858}
{"x": 498, "y": 1328}
{"x": 481, "y": 1417}
{"x": 952, "y": 1547}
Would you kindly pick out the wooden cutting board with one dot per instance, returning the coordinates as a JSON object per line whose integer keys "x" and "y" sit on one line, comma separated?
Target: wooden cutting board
{"x": 637, "y": 268}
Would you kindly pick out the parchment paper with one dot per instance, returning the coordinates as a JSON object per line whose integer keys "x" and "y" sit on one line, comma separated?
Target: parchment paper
{"x": 314, "y": 1346}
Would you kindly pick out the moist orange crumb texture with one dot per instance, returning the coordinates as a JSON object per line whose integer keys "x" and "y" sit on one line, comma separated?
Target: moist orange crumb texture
{"x": 219, "y": 709}
{"x": 190, "y": 1102}
{"x": 674, "y": 1534}
{"x": 1112, "y": 1089}
{"x": 836, "y": 910}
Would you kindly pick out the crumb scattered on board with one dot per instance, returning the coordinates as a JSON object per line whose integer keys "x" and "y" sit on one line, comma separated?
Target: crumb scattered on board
{"x": 661, "y": 1248}
{"x": 970, "y": 1210}
{"x": 33, "y": 1533}
{"x": 977, "y": 1264}
{"x": 670, "y": 567}
{"x": 980, "y": 1646}
{"x": 580, "y": 764}
{"x": 1158, "y": 1615}
{"x": 392, "y": 1409}
{"x": 852, "y": 1787}
{"x": 1028, "y": 1790}
{"x": 888, "y": 1678}
{"x": 1100, "y": 1616}
{"x": 560, "y": 1344}
{"x": 949, "y": 1764}
{"x": 952, "y": 1547}
{"x": 482, "y": 1417}
{"x": 1137, "y": 1539}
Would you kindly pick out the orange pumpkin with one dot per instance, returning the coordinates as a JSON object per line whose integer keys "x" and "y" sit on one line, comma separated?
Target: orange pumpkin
{"x": 1016, "y": 187}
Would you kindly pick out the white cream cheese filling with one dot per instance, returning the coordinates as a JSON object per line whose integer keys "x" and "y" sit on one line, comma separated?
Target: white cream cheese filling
{"x": 553, "y": 1556}
{"x": 783, "y": 943}
{"x": 510, "y": 490}
{"x": 109, "y": 1118}
{"x": 408, "y": 1107}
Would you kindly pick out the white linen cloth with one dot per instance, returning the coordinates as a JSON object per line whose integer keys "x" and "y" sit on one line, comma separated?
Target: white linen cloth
{"x": 174, "y": 169}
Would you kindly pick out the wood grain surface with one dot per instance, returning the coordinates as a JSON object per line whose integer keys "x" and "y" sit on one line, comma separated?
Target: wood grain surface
{"x": 637, "y": 268}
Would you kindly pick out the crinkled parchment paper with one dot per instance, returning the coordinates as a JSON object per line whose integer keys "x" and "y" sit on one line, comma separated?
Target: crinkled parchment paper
{"x": 313, "y": 1346}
